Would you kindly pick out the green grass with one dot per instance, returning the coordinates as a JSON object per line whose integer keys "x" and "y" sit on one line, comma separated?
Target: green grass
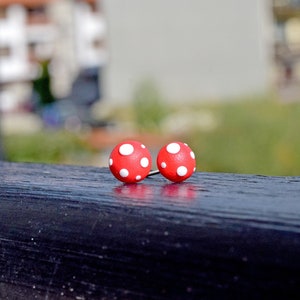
{"x": 148, "y": 107}
{"x": 251, "y": 136}
{"x": 260, "y": 137}
{"x": 46, "y": 147}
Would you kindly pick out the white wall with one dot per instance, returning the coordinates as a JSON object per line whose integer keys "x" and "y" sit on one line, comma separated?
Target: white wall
{"x": 192, "y": 49}
{"x": 15, "y": 66}
{"x": 89, "y": 27}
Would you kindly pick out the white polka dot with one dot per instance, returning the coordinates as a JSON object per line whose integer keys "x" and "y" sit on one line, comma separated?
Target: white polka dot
{"x": 143, "y": 146}
{"x": 194, "y": 169}
{"x": 126, "y": 149}
{"x": 124, "y": 173}
{"x": 181, "y": 171}
{"x": 163, "y": 165}
{"x": 144, "y": 162}
{"x": 186, "y": 144}
{"x": 192, "y": 155}
{"x": 111, "y": 161}
{"x": 138, "y": 177}
{"x": 173, "y": 148}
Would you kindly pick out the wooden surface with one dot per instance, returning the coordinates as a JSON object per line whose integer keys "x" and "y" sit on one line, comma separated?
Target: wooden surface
{"x": 71, "y": 232}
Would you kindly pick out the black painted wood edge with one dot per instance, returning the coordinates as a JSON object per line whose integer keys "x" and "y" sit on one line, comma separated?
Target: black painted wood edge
{"x": 70, "y": 232}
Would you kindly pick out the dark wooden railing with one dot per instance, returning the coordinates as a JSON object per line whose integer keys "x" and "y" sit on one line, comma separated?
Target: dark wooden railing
{"x": 70, "y": 232}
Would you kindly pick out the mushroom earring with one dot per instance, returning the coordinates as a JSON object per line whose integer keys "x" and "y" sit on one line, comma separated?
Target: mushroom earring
{"x": 130, "y": 161}
{"x": 176, "y": 162}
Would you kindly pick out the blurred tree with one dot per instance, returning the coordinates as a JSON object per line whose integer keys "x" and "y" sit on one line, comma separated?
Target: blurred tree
{"x": 42, "y": 86}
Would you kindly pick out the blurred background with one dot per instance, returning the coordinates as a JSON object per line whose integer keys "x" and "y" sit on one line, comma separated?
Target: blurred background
{"x": 79, "y": 76}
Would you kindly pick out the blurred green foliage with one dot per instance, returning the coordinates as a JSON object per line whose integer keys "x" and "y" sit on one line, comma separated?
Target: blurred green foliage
{"x": 45, "y": 147}
{"x": 256, "y": 136}
{"x": 148, "y": 107}
{"x": 42, "y": 85}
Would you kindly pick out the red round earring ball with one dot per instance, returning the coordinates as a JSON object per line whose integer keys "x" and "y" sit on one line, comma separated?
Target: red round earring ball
{"x": 176, "y": 161}
{"x": 130, "y": 161}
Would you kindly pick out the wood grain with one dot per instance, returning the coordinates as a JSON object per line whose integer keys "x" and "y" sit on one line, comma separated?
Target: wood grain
{"x": 70, "y": 232}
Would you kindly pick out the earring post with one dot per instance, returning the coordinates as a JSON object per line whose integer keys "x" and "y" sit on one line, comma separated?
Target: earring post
{"x": 154, "y": 172}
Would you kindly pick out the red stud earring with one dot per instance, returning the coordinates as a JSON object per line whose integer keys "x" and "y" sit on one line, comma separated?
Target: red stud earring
{"x": 130, "y": 161}
{"x": 176, "y": 161}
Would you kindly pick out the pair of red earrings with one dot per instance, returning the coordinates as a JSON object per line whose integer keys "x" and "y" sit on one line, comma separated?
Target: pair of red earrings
{"x": 130, "y": 161}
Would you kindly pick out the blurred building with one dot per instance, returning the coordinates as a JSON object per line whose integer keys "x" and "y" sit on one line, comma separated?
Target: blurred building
{"x": 69, "y": 34}
{"x": 287, "y": 44}
{"x": 191, "y": 49}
